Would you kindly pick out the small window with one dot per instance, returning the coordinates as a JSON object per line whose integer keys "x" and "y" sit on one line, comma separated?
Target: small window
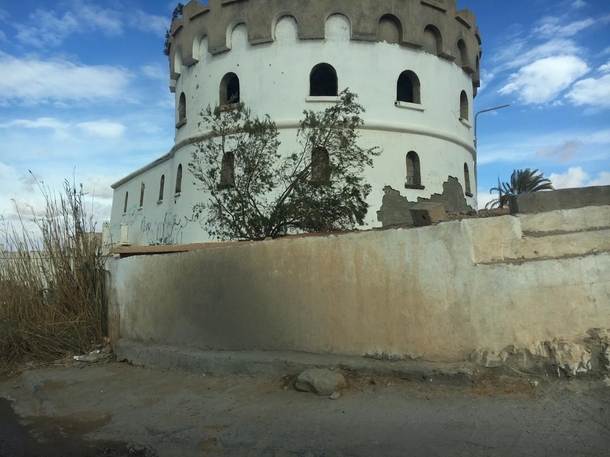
{"x": 323, "y": 81}
{"x": 464, "y": 109}
{"x": 178, "y": 180}
{"x": 408, "y": 88}
{"x": 126, "y": 201}
{"x": 182, "y": 108}
{"x": 320, "y": 166}
{"x": 142, "y": 187}
{"x": 227, "y": 171}
{"x": 229, "y": 89}
{"x": 161, "y": 187}
{"x": 413, "y": 170}
{"x": 467, "y": 181}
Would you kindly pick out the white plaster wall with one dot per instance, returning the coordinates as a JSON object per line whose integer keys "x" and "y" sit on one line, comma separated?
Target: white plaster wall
{"x": 154, "y": 220}
{"x": 274, "y": 80}
{"x": 437, "y": 292}
{"x": 369, "y": 69}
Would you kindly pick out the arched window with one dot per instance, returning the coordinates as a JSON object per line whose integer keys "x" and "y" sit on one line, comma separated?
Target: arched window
{"x": 323, "y": 81}
{"x": 433, "y": 41}
{"x": 413, "y": 170}
{"x": 408, "y": 88}
{"x": 161, "y": 187}
{"x": 142, "y": 187}
{"x": 178, "y": 180}
{"x": 227, "y": 171}
{"x": 182, "y": 108}
{"x": 464, "y": 106}
{"x": 463, "y": 53}
{"x": 467, "y": 180}
{"x": 389, "y": 29}
{"x": 229, "y": 89}
{"x": 320, "y": 166}
{"x": 126, "y": 201}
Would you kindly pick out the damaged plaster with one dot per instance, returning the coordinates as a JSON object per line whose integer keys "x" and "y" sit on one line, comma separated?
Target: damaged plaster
{"x": 395, "y": 208}
{"x": 558, "y": 357}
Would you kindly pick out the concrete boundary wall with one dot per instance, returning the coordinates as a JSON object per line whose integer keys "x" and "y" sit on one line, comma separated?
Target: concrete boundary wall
{"x": 578, "y": 197}
{"x": 437, "y": 293}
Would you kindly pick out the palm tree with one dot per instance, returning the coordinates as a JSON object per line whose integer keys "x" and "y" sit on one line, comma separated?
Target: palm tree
{"x": 521, "y": 182}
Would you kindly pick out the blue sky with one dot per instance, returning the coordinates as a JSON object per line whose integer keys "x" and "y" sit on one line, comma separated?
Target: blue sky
{"x": 84, "y": 93}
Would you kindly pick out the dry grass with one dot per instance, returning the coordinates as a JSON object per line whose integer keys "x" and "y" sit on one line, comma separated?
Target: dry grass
{"x": 52, "y": 301}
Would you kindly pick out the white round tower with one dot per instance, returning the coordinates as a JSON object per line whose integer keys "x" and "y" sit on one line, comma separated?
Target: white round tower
{"x": 414, "y": 65}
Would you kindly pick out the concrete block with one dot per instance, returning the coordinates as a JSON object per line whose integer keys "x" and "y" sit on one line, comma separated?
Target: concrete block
{"x": 428, "y": 213}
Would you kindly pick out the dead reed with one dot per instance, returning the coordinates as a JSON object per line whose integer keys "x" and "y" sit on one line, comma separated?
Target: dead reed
{"x": 52, "y": 301}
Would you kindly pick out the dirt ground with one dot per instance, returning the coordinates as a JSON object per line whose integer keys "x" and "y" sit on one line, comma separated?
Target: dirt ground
{"x": 120, "y": 410}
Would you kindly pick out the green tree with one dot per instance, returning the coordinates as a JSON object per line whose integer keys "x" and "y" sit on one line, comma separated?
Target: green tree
{"x": 257, "y": 192}
{"x": 521, "y": 182}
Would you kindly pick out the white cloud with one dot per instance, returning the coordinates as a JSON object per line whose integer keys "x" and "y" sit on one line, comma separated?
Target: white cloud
{"x": 46, "y": 27}
{"x": 599, "y": 137}
{"x": 483, "y": 198}
{"x": 33, "y": 80}
{"x": 486, "y": 78}
{"x": 157, "y": 72}
{"x": 574, "y": 177}
{"x": 552, "y": 26}
{"x": 49, "y": 28}
{"x": 98, "y": 186}
{"x": 603, "y": 179}
{"x": 40, "y": 123}
{"x": 516, "y": 54}
{"x": 577, "y": 177}
{"x": 543, "y": 80}
{"x": 579, "y": 4}
{"x": 505, "y": 148}
{"x": 592, "y": 92}
{"x": 102, "y": 129}
{"x": 107, "y": 20}
{"x": 564, "y": 151}
{"x": 604, "y": 68}
{"x": 148, "y": 22}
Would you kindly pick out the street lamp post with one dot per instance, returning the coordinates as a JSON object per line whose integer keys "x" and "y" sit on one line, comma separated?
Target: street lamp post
{"x": 477, "y": 116}
{"x": 476, "y": 139}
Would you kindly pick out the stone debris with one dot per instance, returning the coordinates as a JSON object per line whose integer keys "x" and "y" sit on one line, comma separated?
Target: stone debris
{"x": 489, "y": 359}
{"x": 335, "y": 396}
{"x": 571, "y": 357}
{"x": 320, "y": 381}
{"x": 427, "y": 213}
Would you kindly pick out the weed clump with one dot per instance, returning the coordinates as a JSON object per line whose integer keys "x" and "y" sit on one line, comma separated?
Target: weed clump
{"x": 52, "y": 282}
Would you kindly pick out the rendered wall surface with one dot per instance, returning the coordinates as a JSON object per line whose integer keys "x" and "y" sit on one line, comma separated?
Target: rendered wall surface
{"x": 274, "y": 80}
{"x": 437, "y": 292}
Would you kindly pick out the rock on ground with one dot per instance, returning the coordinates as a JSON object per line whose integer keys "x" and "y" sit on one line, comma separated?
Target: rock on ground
{"x": 320, "y": 381}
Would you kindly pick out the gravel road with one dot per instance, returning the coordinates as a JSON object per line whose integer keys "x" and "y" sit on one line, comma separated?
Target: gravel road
{"x": 120, "y": 410}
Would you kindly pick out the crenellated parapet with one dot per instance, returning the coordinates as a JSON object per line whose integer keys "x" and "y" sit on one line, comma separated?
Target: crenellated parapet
{"x": 435, "y": 26}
